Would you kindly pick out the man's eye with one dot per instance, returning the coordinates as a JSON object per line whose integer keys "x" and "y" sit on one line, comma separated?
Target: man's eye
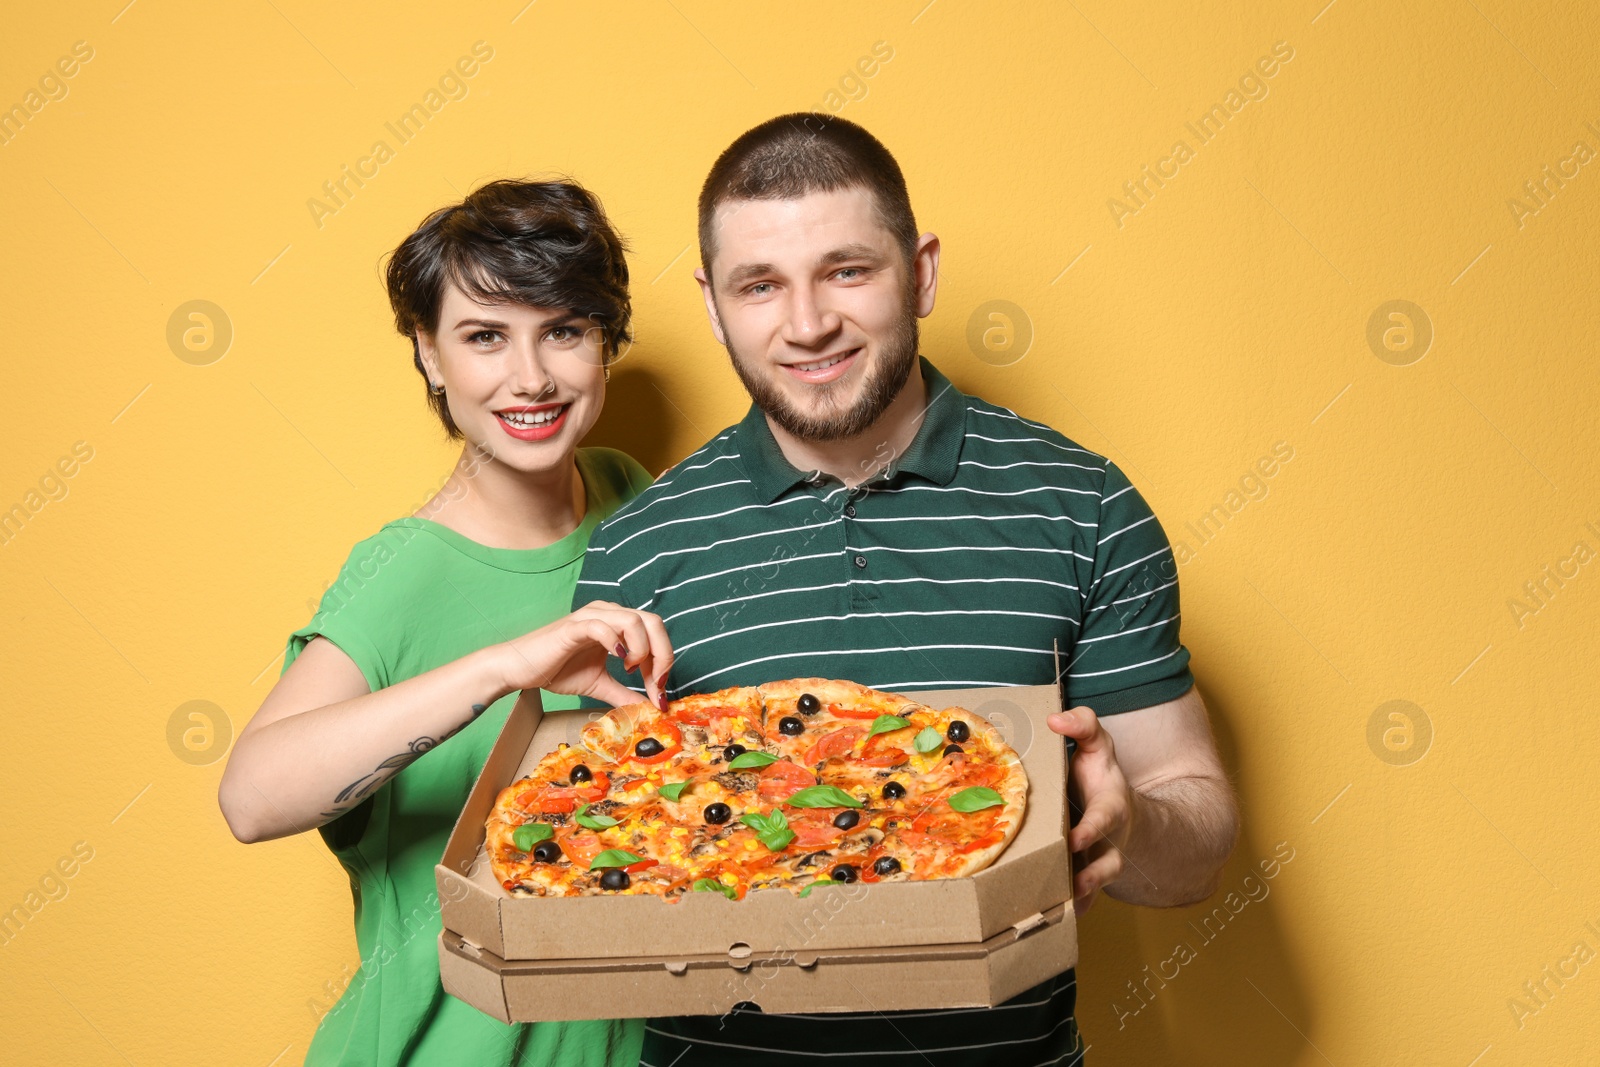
{"x": 848, "y": 274}
{"x": 759, "y": 289}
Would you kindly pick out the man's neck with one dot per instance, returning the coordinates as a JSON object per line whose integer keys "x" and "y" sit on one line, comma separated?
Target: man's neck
{"x": 854, "y": 460}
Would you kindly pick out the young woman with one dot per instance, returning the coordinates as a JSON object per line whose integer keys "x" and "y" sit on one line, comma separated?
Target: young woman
{"x": 392, "y": 695}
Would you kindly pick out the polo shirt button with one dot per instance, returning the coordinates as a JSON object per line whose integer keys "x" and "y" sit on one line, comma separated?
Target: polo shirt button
{"x": 861, "y": 561}
{"x": 850, "y": 511}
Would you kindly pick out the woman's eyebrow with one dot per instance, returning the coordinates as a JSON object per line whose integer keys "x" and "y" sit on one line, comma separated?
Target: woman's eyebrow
{"x": 481, "y": 322}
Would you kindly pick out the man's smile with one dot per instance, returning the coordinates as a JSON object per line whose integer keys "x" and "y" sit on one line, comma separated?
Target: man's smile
{"x": 827, "y": 369}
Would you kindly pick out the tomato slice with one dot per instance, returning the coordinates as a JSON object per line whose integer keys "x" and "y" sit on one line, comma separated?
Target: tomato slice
{"x": 813, "y": 828}
{"x": 704, "y": 716}
{"x": 983, "y": 842}
{"x": 580, "y": 848}
{"x": 667, "y": 726}
{"x": 781, "y": 780}
{"x": 835, "y": 743}
{"x": 878, "y": 749}
{"x": 547, "y": 801}
{"x": 853, "y": 713}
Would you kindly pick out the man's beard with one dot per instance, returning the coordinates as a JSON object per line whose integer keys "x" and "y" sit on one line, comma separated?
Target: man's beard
{"x": 896, "y": 362}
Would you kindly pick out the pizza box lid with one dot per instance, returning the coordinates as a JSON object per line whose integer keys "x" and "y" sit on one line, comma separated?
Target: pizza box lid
{"x": 1031, "y": 877}
{"x": 804, "y": 979}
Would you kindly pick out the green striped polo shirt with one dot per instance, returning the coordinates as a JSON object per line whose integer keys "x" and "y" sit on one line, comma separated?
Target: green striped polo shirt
{"x": 962, "y": 563}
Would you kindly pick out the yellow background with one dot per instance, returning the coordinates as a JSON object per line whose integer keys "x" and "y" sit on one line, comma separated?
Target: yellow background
{"x": 1228, "y": 314}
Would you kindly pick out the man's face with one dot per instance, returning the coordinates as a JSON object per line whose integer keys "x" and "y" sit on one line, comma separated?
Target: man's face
{"x": 817, "y": 307}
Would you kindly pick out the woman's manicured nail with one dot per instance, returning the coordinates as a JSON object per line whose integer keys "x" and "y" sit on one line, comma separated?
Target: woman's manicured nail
{"x": 622, "y": 652}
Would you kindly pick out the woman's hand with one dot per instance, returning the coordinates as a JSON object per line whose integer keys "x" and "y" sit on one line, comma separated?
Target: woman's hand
{"x": 569, "y": 655}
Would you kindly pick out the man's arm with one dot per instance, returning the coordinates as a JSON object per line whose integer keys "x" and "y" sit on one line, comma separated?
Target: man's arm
{"x": 1159, "y": 815}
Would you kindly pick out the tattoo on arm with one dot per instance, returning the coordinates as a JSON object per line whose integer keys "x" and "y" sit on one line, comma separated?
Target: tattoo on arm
{"x": 358, "y": 790}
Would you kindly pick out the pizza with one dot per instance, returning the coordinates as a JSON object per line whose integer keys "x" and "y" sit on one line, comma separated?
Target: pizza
{"x": 783, "y": 785}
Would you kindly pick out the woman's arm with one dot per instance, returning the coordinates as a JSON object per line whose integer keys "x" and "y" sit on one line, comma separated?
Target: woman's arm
{"x": 321, "y": 742}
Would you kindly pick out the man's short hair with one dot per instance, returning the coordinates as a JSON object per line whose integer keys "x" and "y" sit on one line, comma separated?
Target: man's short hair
{"x": 794, "y": 155}
{"x": 545, "y": 244}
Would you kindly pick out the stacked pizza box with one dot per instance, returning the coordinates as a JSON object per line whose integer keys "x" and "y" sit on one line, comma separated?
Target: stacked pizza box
{"x": 960, "y": 942}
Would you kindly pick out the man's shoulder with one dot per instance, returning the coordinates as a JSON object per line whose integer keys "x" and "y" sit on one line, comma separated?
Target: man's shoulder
{"x": 997, "y": 438}
{"x": 684, "y": 489}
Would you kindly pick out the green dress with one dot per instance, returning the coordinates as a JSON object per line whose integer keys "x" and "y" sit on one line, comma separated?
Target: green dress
{"x": 411, "y": 598}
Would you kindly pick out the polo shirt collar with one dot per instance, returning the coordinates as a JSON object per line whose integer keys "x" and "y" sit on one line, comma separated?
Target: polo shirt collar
{"x": 934, "y": 452}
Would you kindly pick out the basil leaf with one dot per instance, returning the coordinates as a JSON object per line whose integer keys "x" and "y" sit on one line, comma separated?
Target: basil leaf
{"x": 927, "y": 740}
{"x": 711, "y": 885}
{"x": 746, "y": 760}
{"x": 976, "y": 798}
{"x": 822, "y": 796}
{"x": 884, "y": 723}
{"x": 820, "y": 881}
{"x": 529, "y": 834}
{"x": 675, "y": 790}
{"x": 773, "y": 829}
{"x": 592, "y": 822}
{"x": 614, "y": 857}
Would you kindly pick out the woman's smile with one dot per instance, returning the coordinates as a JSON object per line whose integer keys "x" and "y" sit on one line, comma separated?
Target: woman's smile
{"x": 534, "y": 423}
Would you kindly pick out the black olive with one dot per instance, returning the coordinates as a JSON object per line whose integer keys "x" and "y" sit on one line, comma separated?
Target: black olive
{"x": 884, "y": 866}
{"x": 733, "y": 751}
{"x": 791, "y": 726}
{"x": 893, "y": 791}
{"x": 843, "y": 873}
{"x": 649, "y": 746}
{"x": 847, "y": 818}
{"x": 717, "y": 813}
{"x": 808, "y": 704}
{"x": 546, "y": 852}
{"x": 958, "y": 731}
{"x": 948, "y": 749}
{"x": 614, "y": 878}
{"x": 580, "y": 773}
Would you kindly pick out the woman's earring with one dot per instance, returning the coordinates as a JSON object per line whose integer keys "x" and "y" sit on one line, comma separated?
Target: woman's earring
{"x": 436, "y": 389}
{"x": 605, "y": 374}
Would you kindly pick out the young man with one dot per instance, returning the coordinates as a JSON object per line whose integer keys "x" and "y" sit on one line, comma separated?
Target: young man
{"x": 867, "y": 520}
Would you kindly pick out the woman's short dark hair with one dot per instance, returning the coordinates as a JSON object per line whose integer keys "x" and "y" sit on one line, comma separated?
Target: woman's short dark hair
{"x": 539, "y": 244}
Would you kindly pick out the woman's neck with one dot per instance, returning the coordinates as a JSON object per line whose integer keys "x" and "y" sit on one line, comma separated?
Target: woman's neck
{"x": 494, "y": 505}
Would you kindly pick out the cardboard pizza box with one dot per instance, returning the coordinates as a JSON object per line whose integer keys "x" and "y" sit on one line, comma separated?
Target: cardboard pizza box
{"x": 828, "y": 980}
{"x": 960, "y": 942}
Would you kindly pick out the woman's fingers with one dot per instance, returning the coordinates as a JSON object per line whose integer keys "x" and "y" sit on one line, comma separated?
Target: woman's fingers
{"x": 613, "y": 692}
{"x": 660, "y": 649}
{"x": 642, "y": 645}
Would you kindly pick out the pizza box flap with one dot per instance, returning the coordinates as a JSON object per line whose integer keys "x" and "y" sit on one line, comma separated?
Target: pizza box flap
{"x": 1031, "y": 876}
{"x": 941, "y": 976}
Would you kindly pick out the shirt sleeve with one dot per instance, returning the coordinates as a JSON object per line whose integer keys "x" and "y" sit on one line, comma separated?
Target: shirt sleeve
{"x": 350, "y": 614}
{"x": 1127, "y": 655}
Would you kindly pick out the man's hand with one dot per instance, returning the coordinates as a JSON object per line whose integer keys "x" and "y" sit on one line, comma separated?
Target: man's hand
{"x": 1107, "y": 802}
{"x": 1159, "y": 816}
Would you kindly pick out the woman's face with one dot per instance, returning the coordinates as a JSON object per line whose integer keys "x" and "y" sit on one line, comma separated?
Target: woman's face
{"x": 524, "y": 384}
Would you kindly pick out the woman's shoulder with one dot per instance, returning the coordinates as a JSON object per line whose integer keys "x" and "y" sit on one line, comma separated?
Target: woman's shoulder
{"x": 612, "y": 475}
{"x": 384, "y": 567}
